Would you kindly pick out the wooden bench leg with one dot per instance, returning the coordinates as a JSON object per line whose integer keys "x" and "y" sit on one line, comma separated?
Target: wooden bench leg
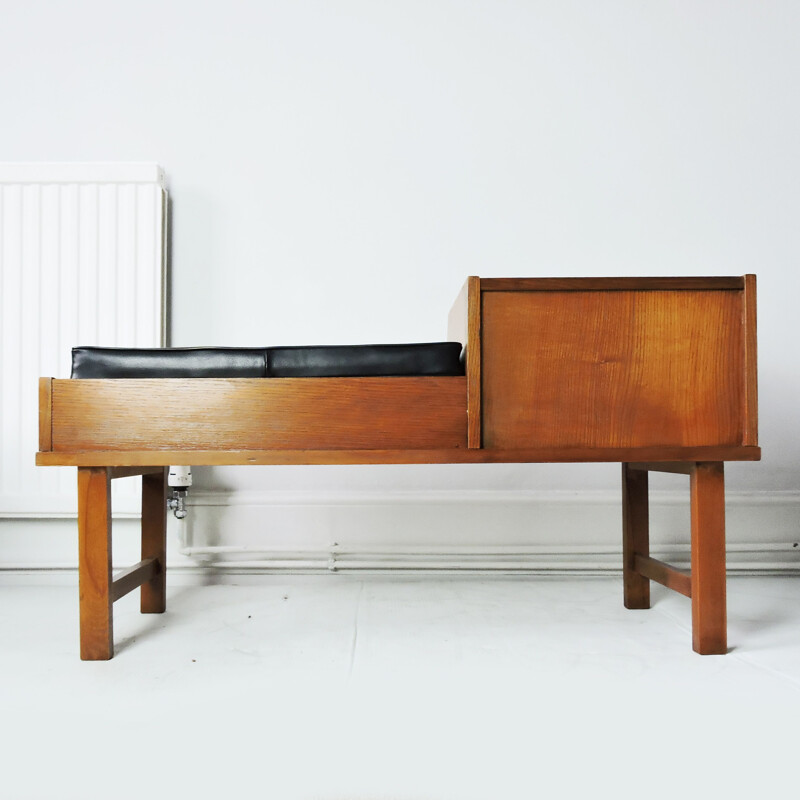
{"x": 705, "y": 583}
{"x": 94, "y": 563}
{"x": 709, "y": 616}
{"x": 635, "y": 535}
{"x": 154, "y": 540}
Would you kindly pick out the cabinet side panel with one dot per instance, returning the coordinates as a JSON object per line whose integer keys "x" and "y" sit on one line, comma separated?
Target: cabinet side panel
{"x": 750, "y": 362}
{"x": 464, "y": 325}
{"x": 45, "y": 418}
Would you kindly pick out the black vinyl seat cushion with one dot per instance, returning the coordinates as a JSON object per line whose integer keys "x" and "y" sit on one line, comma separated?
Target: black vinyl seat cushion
{"x": 353, "y": 361}
{"x": 169, "y": 362}
{"x": 330, "y": 361}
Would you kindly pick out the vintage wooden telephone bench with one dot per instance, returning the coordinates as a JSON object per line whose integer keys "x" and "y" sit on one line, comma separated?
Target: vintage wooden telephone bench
{"x": 656, "y": 373}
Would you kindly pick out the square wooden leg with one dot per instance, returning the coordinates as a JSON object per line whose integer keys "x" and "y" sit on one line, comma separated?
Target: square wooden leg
{"x": 709, "y": 615}
{"x": 154, "y": 540}
{"x": 94, "y": 563}
{"x": 635, "y": 535}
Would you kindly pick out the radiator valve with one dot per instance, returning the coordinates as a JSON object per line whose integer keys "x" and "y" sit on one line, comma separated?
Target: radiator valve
{"x": 179, "y": 479}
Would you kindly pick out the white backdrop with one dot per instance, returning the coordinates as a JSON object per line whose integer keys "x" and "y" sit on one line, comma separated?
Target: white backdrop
{"x": 337, "y": 168}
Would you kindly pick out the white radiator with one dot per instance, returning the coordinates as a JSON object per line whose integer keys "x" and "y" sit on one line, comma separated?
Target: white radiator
{"x": 82, "y": 262}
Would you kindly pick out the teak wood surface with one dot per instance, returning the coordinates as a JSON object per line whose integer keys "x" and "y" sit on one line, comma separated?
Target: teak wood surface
{"x": 551, "y": 455}
{"x": 705, "y": 582}
{"x": 154, "y": 541}
{"x": 94, "y": 564}
{"x": 709, "y": 616}
{"x": 635, "y": 536}
{"x": 612, "y": 369}
{"x": 464, "y": 325}
{"x": 259, "y": 414}
{"x": 750, "y": 362}
{"x": 656, "y": 373}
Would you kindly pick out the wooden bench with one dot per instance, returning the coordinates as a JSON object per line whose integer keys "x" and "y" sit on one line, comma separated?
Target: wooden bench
{"x": 658, "y": 374}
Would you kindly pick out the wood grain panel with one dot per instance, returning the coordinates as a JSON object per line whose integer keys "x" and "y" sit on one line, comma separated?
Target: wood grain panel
{"x": 474, "y": 358}
{"x": 94, "y": 564}
{"x": 259, "y": 414}
{"x": 461, "y": 455}
{"x": 750, "y": 362}
{"x": 45, "y": 408}
{"x": 635, "y": 536}
{"x": 464, "y": 325}
{"x": 154, "y": 541}
{"x": 612, "y": 369}
{"x": 709, "y": 604}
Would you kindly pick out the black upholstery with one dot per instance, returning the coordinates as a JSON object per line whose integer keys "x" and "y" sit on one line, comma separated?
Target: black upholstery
{"x": 439, "y": 358}
{"x": 174, "y": 362}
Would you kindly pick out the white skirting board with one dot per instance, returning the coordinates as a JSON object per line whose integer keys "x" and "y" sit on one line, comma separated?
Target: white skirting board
{"x": 254, "y": 533}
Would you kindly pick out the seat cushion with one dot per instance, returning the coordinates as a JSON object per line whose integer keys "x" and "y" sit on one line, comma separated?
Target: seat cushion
{"x": 172, "y": 362}
{"x": 439, "y": 358}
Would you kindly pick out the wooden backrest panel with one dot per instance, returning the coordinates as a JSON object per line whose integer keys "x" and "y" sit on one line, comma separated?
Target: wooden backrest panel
{"x": 259, "y": 414}
{"x": 568, "y": 366}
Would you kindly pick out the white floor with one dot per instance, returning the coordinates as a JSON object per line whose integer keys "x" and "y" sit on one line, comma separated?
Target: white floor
{"x": 388, "y": 687}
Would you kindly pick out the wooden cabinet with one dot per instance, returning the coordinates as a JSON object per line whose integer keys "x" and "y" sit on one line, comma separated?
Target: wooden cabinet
{"x": 611, "y": 363}
{"x": 656, "y": 373}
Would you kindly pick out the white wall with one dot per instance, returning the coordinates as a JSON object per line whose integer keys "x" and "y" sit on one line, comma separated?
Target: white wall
{"x": 337, "y": 168}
